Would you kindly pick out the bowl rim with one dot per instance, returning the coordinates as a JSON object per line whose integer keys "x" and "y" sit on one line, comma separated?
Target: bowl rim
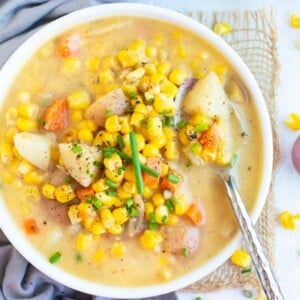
{"x": 26, "y": 50}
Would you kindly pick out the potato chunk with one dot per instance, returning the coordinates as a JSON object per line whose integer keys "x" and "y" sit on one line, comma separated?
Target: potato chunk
{"x": 79, "y": 160}
{"x": 114, "y": 103}
{"x": 34, "y": 147}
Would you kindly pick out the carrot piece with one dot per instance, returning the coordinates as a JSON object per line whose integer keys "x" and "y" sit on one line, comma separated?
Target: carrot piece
{"x": 194, "y": 213}
{"x": 166, "y": 184}
{"x": 83, "y": 193}
{"x": 30, "y": 226}
{"x": 68, "y": 45}
{"x": 211, "y": 138}
{"x": 155, "y": 164}
{"x": 55, "y": 116}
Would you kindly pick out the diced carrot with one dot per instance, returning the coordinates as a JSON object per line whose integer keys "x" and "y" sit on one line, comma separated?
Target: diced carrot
{"x": 55, "y": 116}
{"x": 167, "y": 184}
{"x": 83, "y": 193}
{"x": 30, "y": 226}
{"x": 68, "y": 45}
{"x": 211, "y": 138}
{"x": 155, "y": 164}
{"x": 194, "y": 213}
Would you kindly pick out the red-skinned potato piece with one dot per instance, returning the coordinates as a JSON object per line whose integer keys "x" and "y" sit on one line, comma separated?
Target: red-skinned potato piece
{"x": 113, "y": 103}
{"x": 296, "y": 154}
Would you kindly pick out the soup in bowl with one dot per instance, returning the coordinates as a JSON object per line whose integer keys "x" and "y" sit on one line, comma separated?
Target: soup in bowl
{"x": 114, "y": 132}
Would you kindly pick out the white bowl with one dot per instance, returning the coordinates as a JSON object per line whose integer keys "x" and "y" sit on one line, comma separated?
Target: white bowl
{"x": 23, "y": 54}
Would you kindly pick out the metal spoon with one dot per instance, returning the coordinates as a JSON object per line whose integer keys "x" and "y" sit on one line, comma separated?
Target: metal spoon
{"x": 260, "y": 262}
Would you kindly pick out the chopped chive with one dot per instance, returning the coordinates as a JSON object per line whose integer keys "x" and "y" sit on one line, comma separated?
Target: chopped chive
{"x": 97, "y": 203}
{"x": 170, "y": 205}
{"x": 181, "y": 124}
{"x": 98, "y": 164}
{"x": 111, "y": 183}
{"x": 152, "y": 226}
{"x": 185, "y": 252}
{"x": 124, "y": 168}
{"x": 129, "y": 159}
{"x": 150, "y": 100}
{"x": 108, "y": 113}
{"x": 76, "y": 148}
{"x": 198, "y": 298}
{"x": 129, "y": 202}
{"x": 132, "y": 95}
{"x": 246, "y": 271}
{"x": 201, "y": 127}
{"x": 247, "y": 294}
{"x": 132, "y": 211}
{"x": 120, "y": 141}
{"x": 233, "y": 160}
{"x": 169, "y": 122}
{"x": 78, "y": 257}
{"x": 173, "y": 178}
{"x": 194, "y": 147}
{"x": 41, "y": 122}
{"x": 164, "y": 219}
{"x": 68, "y": 179}
{"x": 108, "y": 154}
{"x": 112, "y": 193}
{"x": 136, "y": 163}
{"x": 55, "y": 257}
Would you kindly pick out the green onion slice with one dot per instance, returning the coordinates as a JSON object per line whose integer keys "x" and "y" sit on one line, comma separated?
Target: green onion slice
{"x": 55, "y": 257}
{"x": 173, "y": 178}
{"x": 120, "y": 141}
{"x": 136, "y": 163}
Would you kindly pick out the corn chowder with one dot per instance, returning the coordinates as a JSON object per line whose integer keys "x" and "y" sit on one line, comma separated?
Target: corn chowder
{"x": 110, "y": 147}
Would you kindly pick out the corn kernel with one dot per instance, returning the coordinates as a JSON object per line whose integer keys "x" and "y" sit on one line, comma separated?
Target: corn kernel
{"x": 156, "y": 78}
{"x": 48, "y": 191}
{"x": 11, "y": 115}
{"x": 135, "y": 75}
{"x": 158, "y": 199}
{"x": 112, "y": 163}
{"x": 85, "y": 135}
{"x": 118, "y": 249}
{"x": 115, "y": 229}
{"x": 64, "y": 193}
{"x": 99, "y": 186}
{"x": 121, "y": 215}
{"x": 106, "y": 76}
{"x": 7, "y": 178}
{"x": 26, "y": 124}
{"x": 147, "y": 192}
{"x": 114, "y": 175}
{"x": 149, "y": 208}
{"x": 124, "y": 124}
{"x": 286, "y": 220}
{"x": 164, "y": 169}
{"x": 158, "y": 141}
{"x": 150, "y": 150}
{"x": 70, "y": 135}
{"x": 295, "y": 21}
{"x": 151, "y": 51}
{"x": 98, "y": 255}
{"x": 6, "y": 153}
{"x": 181, "y": 208}
{"x": 107, "y": 218}
{"x": 71, "y": 66}
{"x": 145, "y": 84}
{"x": 150, "y": 239}
{"x": 169, "y": 133}
{"x": 106, "y": 200}
{"x": 136, "y": 119}
{"x": 129, "y": 87}
{"x": 78, "y": 100}
{"x": 129, "y": 174}
{"x": 154, "y": 127}
{"x": 222, "y": 28}
{"x": 180, "y": 50}
{"x": 25, "y": 167}
{"x": 97, "y": 228}
{"x": 34, "y": 177}
{"x": 183, "y": 138}
{"x": 150, "y": 68}
{"x": 172, "y": 219}
{"x": 93, "y": 63}
{"x": 73, "y": 211}
{"x": 178, "y": 76}
{"x": 128, "y": 58}
{"x": 168, "y": 88}
{"x": 121, "y": 196}
{"x": 112, "y": 124}
{"x": 28, "y": 110}
{"x": 129, "y": 187}
{"x": 164, "y": 105}
{"x": 164, "y": 68}
{"x": 76, "y": 115}
{"x": 293, "y": 121}
{"x": 140, "y": 108}
{"x": 104, "y": 138}
{"x": 171, "y": 151}
{"x": 241, "y": 258}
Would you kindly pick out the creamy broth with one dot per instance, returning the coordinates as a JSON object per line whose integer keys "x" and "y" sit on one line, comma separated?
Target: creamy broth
{"x": 49, "y": 76}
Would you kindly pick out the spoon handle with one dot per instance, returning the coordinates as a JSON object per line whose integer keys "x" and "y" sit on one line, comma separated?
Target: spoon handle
{"x": 261, "y": 263}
